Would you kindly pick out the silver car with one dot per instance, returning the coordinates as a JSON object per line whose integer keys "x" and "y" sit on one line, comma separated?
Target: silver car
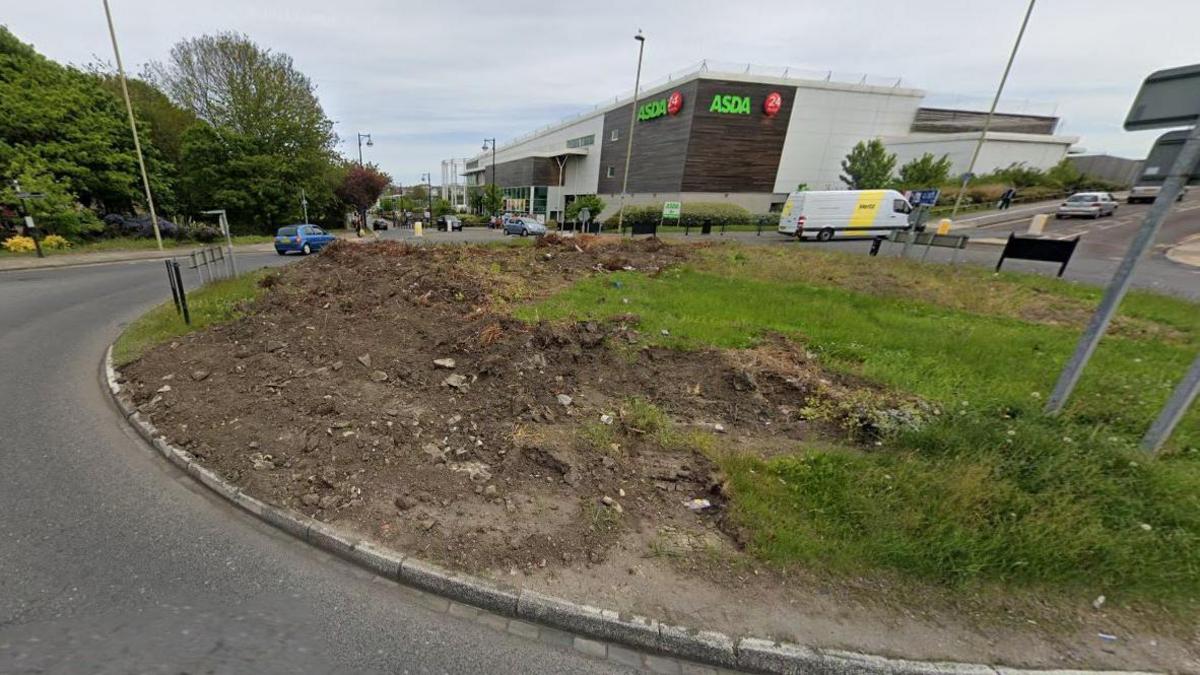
{"x": 1148, "y": 193}
{"x": 524, "y": 227}
{"x": 1088, "y": 205}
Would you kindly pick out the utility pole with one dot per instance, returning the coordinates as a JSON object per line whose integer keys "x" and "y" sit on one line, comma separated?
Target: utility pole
{"x": 428, "y": 178}
{"x": 987, "y": 122}
{"x": 370, "y": 143}
{"x": 137, "y": 145}
{"x": 637, "y": 83}
{"x": 488, "y": 192}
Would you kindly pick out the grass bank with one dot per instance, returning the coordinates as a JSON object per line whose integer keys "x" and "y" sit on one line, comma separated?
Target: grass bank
{"x": 990, "y": 490}
{"x": 213, "y": 303}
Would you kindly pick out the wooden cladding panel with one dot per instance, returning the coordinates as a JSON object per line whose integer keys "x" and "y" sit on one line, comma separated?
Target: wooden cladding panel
{"x": 735, "y": 152}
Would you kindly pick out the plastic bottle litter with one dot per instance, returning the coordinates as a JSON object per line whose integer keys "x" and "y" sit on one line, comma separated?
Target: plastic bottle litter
{"x": 698, "y": 504}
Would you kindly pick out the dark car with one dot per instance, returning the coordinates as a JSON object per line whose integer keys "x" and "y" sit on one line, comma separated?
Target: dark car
{"x": 301, "y": 238}
{"x": 449, "y": 223}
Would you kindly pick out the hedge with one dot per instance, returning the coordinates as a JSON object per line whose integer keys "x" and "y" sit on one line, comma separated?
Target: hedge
{"x": 694, "y": 214}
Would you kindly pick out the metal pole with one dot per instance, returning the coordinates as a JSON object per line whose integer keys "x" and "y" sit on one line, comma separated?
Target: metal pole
{"x": 987, "y": 123}
{"x": 174, "y": 289}
{"x": 137, "y": 145}
{"x": 187, "y": 317}
{"x": 1171, "y": 413}
{"x": 1188, "y": 157}
{"x": 304, "y": 205}
{"x": 229, "y": 243}
{"x": 637, "y": 83}
{"x": 360, "y": 159}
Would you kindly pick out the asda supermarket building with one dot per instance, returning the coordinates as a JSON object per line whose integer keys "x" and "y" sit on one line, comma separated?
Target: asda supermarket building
{"x": 745, "y": 138}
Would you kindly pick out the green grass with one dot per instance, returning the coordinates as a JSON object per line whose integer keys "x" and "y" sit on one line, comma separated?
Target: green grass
{"x": 138, "y": 244}
{"x": 214, "y": 303}
{"x": 991, "y": 490}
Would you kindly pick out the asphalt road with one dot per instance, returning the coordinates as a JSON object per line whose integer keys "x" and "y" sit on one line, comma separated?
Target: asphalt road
{"x": 1103, "y": 243}
{"x": 114, "y": 562}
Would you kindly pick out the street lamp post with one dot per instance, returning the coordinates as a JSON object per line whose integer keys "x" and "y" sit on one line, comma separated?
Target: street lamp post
{"x": 987, "y": 122}
{"x": 428, "y": 193}
{"x": 137, "y": 144}
{"x": 487, "y": 193}
{"x": 370, "y": 143}
{"x": 637, "y": 83}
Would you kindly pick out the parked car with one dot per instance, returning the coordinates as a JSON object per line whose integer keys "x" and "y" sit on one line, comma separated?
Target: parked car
{"x": 1148, "y": 193}
{"x": 449, "y": 224}
{"x": 524, "y": 227}
{"x": 304, "y": 239}
{"x": 1088, "y": 204}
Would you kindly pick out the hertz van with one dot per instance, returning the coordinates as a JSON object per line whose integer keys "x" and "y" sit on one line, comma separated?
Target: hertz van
{"x": 827, "y": 214}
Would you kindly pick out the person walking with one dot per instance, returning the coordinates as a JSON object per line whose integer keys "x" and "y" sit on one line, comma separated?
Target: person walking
{"x": 1006, "y": 198}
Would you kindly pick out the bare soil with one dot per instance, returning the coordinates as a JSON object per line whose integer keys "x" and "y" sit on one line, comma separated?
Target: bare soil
{"x": 531, "y": 458}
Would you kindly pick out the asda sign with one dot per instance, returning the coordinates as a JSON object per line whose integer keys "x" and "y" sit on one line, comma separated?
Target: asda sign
{"x": 734, "y": 104}
{"x": 670, "y": 105}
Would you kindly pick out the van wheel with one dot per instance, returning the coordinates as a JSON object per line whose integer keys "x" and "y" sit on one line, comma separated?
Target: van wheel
{"x": 825, "y": 234}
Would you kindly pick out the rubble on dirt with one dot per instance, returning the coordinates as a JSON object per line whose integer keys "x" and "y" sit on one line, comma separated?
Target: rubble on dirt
{"x": 492, "y": 465}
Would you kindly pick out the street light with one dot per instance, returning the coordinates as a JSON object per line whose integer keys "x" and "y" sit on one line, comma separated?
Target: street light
{"x": 987, "y": 122}
{"x": 493, "y": 182}
{"x": 370, "y": 143}
{"x": 637, "y": 82}
{"x": 428, "y": 193}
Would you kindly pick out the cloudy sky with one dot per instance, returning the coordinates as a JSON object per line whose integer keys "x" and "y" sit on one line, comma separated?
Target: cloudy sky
{"x": 430, "y": 80}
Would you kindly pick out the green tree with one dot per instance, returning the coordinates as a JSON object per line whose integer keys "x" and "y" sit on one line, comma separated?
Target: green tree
{"x": 492, "y": 199}
{"x": 1065, "y": 175}
{"x": 925, "y": 171}
{"x": 361, "y": 187}
{"x": 868, "y": 166}
{"x": 591, "y": 202}
{"x": 418, "y": 193}
{"x": 60, "y": 129}
{"x": 442, "y": 207}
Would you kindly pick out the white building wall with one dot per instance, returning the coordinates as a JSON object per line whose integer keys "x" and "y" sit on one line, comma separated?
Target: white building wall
{"x": 581, "y": 172}
{"x": 828, "y": 121}
{"x": 999, "y": 149}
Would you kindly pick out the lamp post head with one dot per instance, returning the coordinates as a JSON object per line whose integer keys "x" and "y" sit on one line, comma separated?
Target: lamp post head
{"x": 639, "y": 37}
{"x": 370, "y": 143}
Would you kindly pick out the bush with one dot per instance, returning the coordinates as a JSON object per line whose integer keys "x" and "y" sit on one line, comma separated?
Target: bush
{"x": 593, "y": 204}
{"x": 695, "y": 213}
{"x": 19, "y": 244}
{"x": 472, "y": 220}
{"x": 55, "y": 241}
{"x": 765, "y": 219}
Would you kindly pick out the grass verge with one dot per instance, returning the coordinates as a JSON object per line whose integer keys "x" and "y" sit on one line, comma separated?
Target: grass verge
{"x": 138, "y": 244}
{"x": 991, "y": 490}
{"x": 216, "y": 302}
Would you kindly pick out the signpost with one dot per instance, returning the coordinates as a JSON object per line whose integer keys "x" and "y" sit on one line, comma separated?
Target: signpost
{"x": 30, "y": 227}
{"x": 1168, "y": 98}
{"x": 1045, "y": 250}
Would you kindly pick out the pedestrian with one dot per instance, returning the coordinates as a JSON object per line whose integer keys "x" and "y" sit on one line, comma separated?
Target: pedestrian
{"x": 1007, "y": 197}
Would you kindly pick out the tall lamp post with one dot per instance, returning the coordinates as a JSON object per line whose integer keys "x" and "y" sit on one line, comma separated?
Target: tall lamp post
{"x": 137, "y": 144}
{"x": 987, "y": 122}
{"x": 428, "y": 192}
{"x": 360, "y": 144}
{"x": 486, "y": 141}
{"x": 637, "y": 83}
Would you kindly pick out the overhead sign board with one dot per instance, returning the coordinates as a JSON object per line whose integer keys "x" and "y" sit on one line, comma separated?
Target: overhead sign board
{"x": 672, "y": 210}
{"x": 1168, "y": 98}
{"x": 1162, "y": 157}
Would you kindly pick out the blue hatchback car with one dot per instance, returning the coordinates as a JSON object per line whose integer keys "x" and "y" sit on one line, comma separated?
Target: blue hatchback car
{"x": 304, "y": 239}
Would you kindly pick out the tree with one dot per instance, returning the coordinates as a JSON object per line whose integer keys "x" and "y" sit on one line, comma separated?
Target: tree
{"x": 229, "y": 81}
{"x": 442, "y": 207}
{"x": 361, "y": 187}
{"x": 591, "y": 202}
{"x": 925, "y": 171}
{"x": 1065, "y": 175}
{"x": 418, "y": 193}
{"x": 492, "y": 200}
{"x": 65, "y": 133}
{"x": 868, "y": 166}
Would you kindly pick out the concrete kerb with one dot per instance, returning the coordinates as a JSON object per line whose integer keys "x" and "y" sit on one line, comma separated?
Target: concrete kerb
{"x": 707, "y": 647}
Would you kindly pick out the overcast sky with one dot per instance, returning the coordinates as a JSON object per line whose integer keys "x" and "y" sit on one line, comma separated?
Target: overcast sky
{"x": 430, "y": 80}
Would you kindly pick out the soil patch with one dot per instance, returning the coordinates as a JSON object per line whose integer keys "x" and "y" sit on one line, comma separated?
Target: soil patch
{"x": 386, "y": 389}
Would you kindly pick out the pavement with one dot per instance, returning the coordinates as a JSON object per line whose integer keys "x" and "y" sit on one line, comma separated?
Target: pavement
{"x": 1186, "y": 252}
{"x": 115, "y": 562}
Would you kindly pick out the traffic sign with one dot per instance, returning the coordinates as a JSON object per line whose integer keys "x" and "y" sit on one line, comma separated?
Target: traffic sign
{"x": 1168, "y": 98}
{"x": 924, "y": 197}
{"x": 672, "y": 210}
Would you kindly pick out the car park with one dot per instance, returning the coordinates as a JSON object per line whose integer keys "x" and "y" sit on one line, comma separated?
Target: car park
{"x": 449, "y": 224}
{"x": 1087, "y": 205}
{"x": 524, "y": 227}
{"x": 303, "y": 239}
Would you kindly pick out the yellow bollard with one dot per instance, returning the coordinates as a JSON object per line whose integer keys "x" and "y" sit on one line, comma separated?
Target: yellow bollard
{"x": 944, "y": 226}
{"x": 417, "y": 228}
{"x": 1038, "y": 224}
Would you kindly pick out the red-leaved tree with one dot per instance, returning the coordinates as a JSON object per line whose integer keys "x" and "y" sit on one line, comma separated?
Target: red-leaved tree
{"x": 361, "y": 187}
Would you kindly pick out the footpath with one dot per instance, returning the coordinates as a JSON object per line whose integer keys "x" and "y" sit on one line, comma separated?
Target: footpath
{"x": 1186, "y": 252}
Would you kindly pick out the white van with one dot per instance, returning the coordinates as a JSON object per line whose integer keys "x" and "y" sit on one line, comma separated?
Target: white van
{"x": 826, "y": 214}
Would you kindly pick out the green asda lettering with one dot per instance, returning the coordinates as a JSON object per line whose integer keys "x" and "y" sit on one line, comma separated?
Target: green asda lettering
{"x": 728, "y": 104}
{"x": 653, "y": 109}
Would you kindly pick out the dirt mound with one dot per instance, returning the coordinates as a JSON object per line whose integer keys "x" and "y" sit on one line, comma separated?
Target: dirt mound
{"x": 384, "y": 387}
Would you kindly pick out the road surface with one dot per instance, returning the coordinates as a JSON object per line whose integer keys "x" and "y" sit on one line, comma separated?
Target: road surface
{"x": 114, "y": 562}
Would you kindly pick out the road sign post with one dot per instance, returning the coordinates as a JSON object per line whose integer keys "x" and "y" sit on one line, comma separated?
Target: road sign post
{"x": 1171, "y": 413}
{"x": 1160, "y": 103}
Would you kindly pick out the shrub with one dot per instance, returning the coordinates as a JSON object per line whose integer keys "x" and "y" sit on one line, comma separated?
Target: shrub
{"x": 55, "y": 241}
{"x": 472, "y": 220}
{"x": 720, "y": 213}
{"x": 765, "y": 219}
{"x": 593, "y": 204}
{"x": 19, "y": 244}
